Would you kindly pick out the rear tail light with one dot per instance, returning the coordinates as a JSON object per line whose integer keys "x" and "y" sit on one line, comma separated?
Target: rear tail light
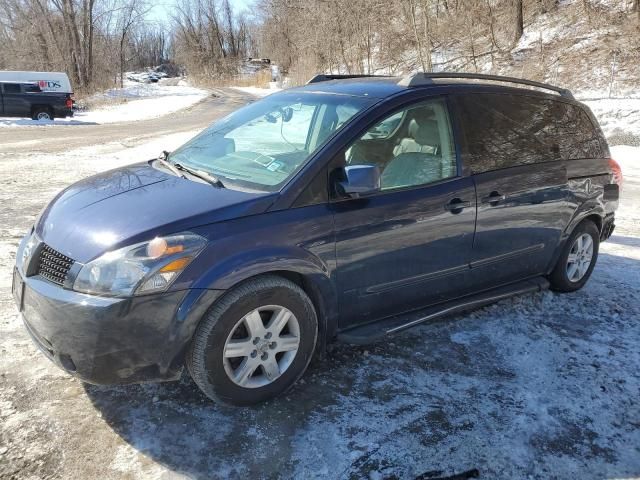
{"x": 616, "y": 172}
{"x": 69, "y": 103}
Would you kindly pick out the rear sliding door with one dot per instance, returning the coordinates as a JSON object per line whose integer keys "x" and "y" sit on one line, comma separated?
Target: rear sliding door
{"x": 516, "y": 147}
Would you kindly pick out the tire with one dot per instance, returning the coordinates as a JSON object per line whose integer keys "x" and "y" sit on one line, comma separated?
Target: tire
{"x": 234, "y": 321}
{"x": 42, "y": 113}
{"x": 564, "y": 277}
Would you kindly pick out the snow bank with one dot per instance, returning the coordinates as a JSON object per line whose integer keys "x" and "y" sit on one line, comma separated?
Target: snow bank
{"x": 617, "y": 115}
{"x": 628, "y": 158}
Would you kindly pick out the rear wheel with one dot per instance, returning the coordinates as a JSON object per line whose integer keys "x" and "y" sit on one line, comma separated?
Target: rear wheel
{"x": 578, "y": 258}
{"x": 42, "y": 113}
{"x": 254, "y": 343}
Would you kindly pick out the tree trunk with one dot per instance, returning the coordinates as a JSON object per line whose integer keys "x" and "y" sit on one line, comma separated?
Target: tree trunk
{"x": 427, "y": 33}
{"x": 423, "y": 57}
{"x": 122, "y": 38}
{"x": 519, "y": 22}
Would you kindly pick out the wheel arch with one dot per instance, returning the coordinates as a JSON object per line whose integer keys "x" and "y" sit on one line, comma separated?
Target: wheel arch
{"x": 309, "y": 273}
{"x": 595, "y": 214}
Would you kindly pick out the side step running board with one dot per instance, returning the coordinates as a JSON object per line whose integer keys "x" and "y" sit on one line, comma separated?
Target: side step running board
{"x": 375, "y": 331}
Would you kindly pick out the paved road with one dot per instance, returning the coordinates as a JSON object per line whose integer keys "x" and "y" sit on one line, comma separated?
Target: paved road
{"x": 63, "y": 137}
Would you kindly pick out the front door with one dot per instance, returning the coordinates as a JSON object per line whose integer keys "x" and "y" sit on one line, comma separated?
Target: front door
{"x": 408, "y": 245}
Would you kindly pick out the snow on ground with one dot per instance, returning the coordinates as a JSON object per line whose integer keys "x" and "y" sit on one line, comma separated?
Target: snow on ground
{"x": 629, "y": 159}
{"x": 617, "y": 115}
{"x": 134, "y": 102}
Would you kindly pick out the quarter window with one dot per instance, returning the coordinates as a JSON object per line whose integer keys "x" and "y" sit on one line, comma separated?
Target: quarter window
{"x": 411, "y": 147}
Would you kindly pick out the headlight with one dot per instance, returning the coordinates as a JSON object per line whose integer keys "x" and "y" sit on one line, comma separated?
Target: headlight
{"x": 142, "y": 268}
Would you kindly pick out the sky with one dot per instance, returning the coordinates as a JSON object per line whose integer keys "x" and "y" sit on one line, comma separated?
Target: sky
{"x": 162, "y": 9}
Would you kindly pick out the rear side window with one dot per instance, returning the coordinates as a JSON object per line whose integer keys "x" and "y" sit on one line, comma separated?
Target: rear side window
{"x": 504, "y": 131}
{"x": 11, "y": 88}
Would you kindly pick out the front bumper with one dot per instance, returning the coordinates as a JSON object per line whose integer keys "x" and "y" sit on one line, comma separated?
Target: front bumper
{"x": 110, "y": 340}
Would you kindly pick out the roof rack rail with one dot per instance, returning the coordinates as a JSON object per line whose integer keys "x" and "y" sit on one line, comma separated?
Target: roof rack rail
{"x": 325, "y": 78}
{"x": 427, "y": 78}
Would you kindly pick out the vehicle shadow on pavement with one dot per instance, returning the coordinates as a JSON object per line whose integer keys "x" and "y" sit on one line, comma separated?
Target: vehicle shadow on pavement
{"x": 306, "y": 433}
{"x": 535, "y": 386}
{"x": 625, "y": 240}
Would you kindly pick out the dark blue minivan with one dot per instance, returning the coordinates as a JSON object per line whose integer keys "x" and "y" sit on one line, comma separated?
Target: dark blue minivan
{"x": 347, "y": 209}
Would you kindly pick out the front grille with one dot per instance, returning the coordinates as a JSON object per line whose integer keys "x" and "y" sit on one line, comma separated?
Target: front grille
{"x": 53, "y": 265}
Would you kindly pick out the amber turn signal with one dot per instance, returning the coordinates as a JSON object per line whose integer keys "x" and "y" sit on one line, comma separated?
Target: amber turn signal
{"x": 176, "y": 265}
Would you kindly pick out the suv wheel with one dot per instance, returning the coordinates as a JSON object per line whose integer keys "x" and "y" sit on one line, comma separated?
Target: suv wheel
{"x": 577, "y": 260}
{"x": 42, "y": 113}
{"x": 255, "y": 343}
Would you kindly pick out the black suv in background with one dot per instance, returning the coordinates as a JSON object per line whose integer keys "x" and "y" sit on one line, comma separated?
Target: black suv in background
{"x": 28, "y": 100}
{"x": 344, "y": 210}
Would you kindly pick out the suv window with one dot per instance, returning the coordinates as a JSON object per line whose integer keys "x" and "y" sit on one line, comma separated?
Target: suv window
{"x": 503, "y": 130}
{"x": 413, "y": 146}
{"x": 574, "y": 132}
{"x": 11, "y": 87}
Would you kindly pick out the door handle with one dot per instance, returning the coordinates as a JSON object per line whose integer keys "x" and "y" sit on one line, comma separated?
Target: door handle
{"x": 494, "y": 198}
{"x": 456, "y": 205}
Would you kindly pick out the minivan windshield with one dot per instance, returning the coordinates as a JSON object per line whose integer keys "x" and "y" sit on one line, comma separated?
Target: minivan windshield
{"x": 263, "y": 144}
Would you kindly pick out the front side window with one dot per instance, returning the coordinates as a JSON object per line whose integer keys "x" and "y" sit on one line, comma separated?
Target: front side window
{"x": 412, "y": 147}
{"x": 265, "y": 143}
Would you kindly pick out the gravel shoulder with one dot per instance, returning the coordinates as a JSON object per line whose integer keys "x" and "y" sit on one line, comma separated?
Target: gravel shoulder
{"x": 540, "y": 386}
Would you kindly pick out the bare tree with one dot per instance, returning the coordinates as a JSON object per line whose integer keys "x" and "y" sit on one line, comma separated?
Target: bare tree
{"x": 129, "y": 15}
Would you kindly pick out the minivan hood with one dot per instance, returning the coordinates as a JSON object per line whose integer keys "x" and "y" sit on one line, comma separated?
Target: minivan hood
{"x": 133, "y": 204}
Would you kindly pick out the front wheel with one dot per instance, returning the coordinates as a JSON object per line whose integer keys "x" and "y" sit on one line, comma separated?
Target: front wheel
{"x": 577, "y": 260}
{"x": 255, "y": 343}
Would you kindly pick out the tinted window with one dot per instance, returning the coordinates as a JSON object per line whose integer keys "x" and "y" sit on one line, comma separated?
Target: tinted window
{"x": 509, "y": 130}
{"x": 11, "y": 88}
{"x": 411, "y": 147}
{"x": 32, "y": 88}
{"x": 574, "y": 132}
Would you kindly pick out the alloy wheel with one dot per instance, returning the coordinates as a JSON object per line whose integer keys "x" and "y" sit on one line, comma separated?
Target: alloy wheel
{"x": 261, "y": 346}
{"x": 579, "y": 258}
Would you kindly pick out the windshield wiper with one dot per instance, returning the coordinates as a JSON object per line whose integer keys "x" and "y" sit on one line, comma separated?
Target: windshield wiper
{"x": 207, "y": 177}
{"x": 163, "y": 160}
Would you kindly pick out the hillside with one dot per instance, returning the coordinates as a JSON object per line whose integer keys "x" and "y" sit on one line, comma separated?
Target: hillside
{"x": 589, "y": 46}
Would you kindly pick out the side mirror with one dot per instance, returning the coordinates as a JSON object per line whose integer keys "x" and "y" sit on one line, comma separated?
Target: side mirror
{"x": 360, "y": 180}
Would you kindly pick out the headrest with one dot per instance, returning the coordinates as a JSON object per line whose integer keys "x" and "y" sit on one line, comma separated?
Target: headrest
{"x": 424, "y": 131}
